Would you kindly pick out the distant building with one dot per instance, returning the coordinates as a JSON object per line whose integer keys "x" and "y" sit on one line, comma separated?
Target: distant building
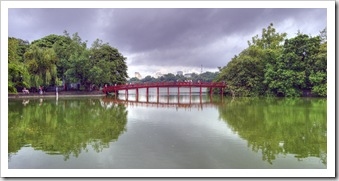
{"x": 180, "y": 73}
{"x": 188, "y": 75}
{"x": 137, "y": 75}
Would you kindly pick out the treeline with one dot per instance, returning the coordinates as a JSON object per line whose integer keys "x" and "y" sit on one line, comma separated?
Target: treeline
{"x": 275, "y": 66}
{"x": 57, "y": 60}
{"x": 203, "y": 77}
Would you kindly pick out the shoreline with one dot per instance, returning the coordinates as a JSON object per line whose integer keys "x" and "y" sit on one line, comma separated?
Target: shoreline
{"x": 60, "y": 94}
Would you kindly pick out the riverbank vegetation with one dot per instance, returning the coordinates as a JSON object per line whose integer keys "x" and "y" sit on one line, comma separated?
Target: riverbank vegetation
{"x": 57, "y": 59}
{"x": 276, "y": 66}
{"x": 203, "y": 77}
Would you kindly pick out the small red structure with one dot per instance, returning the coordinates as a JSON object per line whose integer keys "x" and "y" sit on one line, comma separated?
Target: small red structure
{"x": 158, "y": 85}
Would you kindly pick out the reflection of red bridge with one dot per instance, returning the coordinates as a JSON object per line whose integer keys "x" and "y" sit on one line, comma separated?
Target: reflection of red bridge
{"x": 167, "y": 85}
{"x": 161, "y": 104}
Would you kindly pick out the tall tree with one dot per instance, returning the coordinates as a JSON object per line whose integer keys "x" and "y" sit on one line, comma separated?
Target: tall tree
{"x": 318, "y": 75}
{"x": 18, "y": 76}
{"x": 108, "y": 64}
{"x": 41, "y": 64}
{"x": 245, "y": 73}
{"x": 77, "y": 66}
{"x": 290, "y": 74}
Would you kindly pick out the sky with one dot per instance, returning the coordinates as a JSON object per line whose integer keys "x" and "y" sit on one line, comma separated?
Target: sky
{"x": 167, "y": 40}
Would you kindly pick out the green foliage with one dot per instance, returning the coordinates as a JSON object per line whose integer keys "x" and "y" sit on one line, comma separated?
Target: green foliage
{"x": 269, "y": 39}
{"x": 47, "y": 41}
{"x": 41, "y": 63}
{"x": 294, "y": 70}
{"x": 110, "y": 61}
{"x": 18, "y": 76}
{"x": 149, "y": 79}
{"x": 54, "y": 59}
{"x": 244, "y": 74}
{"x": 318, "y": 75}
{"x": 204, "y": 77}
{"x": 272, "y": 66}
{"x": 134, "y": 80}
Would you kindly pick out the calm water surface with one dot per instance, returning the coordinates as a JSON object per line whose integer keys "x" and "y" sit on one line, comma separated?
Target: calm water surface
{"x": 173, "y": 131}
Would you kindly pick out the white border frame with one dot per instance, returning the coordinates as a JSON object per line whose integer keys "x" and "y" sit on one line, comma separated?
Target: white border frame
{"x": 329, "y": 172}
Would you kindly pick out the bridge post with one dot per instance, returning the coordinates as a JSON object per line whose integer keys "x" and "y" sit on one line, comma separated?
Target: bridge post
{"x": 200, "y": 90}
{"x": 146, "y": 91}
{"x": 222, "y": 91}
{"x": 157, "y": 90}
{"x": 211, "y": 91}
{"x": 178, "y": 90}
{"x": 168, "y": 91}
{"x": 190, "y": 90}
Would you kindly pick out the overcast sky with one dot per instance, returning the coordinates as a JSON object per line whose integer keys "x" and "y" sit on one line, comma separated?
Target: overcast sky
{"x": 166, "y": 40}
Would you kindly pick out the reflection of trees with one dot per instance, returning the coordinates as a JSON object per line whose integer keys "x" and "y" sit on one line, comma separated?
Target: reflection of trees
{"x": 280, "y": 126}
{"x": 66, "y": 128}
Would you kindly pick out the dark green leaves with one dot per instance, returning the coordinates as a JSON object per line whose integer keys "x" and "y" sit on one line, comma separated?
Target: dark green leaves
{"x": 272, "y": 65}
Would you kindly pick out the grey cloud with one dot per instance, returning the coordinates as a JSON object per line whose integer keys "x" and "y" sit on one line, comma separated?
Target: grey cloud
{"x": 41, "y": 22}
{"x": 167, "y": 37}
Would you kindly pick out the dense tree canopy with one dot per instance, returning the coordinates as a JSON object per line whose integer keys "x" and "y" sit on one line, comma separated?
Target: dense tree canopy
{"x": 57, "y": 59}
{"x": 18, "y": 75}
{"x": 274, "y": 65}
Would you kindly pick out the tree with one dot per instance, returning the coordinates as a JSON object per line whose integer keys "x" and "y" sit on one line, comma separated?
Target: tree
{"x": 41, "y": 63}
{"x": 108, "y": 63}
{"x": 148, "y": 78}
{"x": 78, "y": 64}
{"x": 168, "y": 78}
{"x": 63, "y": 48}
{"x": 207, "y": 76}
{"x": 18, "y": 76}
{"x": 271, "y": 66}
{"x": 318, "y": 75}
{"x": 53, "y": 58}
{"x": 269, "y": 39}
{"x": 290, "y": 74}
{"x": 134, "y": 80}
{"x": 245, "y": 73}
{"x": 47, "y": 41}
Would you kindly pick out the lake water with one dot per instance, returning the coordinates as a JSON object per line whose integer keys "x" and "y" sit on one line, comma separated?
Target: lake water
{"x": 184, "y": 132}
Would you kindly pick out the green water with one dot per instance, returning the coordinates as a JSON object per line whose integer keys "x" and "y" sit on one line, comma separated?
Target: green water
{"x": 185, "y": 132}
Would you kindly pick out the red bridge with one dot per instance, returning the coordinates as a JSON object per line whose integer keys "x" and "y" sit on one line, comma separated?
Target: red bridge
{"x": 167, "y": 85}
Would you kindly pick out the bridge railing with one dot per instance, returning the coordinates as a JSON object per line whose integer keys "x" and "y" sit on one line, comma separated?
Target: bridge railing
{"x": 163, "y": 84}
